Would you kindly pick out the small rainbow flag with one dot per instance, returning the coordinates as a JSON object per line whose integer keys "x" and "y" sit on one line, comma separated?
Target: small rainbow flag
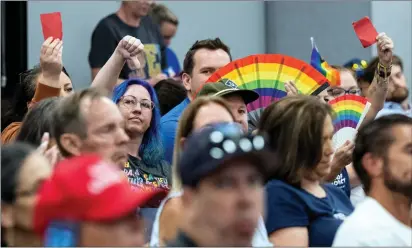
{"x": 323, "y": 67}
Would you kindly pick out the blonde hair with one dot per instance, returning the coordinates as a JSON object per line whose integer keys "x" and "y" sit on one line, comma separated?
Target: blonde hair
{"x": 160, "y": 13}
{"x": 185, "y": 128}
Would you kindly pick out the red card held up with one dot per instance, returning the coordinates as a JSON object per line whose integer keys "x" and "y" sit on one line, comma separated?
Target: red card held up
{"x": 52, "y": 25}
{"x": 365, "y": 31}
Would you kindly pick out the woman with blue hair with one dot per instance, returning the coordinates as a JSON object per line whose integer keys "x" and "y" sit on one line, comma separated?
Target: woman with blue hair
{"x": 137, "y": 101}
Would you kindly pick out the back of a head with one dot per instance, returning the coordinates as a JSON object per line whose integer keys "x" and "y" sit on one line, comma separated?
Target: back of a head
{"x": 160, "y": 13}
{"x": 294, "y": 126}
{"x": 209, "y": 44}
{"x": 23, "y": 94}
{"x": 375, "y": 138}
{"x": 38, "y": 121}
{"x": 68, "y": 116}
{"x": 170, "y": 93}
{"x": 12, "y": 158}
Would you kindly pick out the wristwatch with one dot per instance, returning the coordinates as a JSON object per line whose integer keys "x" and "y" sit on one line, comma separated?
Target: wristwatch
{"x": 383, "y": 71}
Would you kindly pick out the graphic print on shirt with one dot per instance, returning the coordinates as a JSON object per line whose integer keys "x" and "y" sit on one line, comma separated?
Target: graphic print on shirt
{"x": 342, "y": 182}
{"x": 139, "y": 180}
{"x": 153, "y": 60}
{"x": 150, "y": 63}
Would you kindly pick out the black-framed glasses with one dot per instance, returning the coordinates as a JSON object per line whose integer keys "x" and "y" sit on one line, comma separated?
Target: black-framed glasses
{"x": 131, "y": 102}
{"x": 337, "y": 91}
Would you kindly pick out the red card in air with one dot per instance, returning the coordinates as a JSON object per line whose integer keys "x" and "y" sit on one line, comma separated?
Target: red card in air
{"x": 365, "y": 31}
{"x": 52, "y": 25}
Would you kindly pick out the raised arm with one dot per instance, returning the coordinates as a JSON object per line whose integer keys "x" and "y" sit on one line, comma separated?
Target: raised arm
{"x": 379, "y": 88}
{"x": 51, "y": 68}
{"x": 127, "y": 49}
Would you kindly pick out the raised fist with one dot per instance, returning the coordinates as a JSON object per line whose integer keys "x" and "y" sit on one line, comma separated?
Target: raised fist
{"x": 129, "y": 47}
{"x": 51, "y": 58}
{"x": 385, "y": 49}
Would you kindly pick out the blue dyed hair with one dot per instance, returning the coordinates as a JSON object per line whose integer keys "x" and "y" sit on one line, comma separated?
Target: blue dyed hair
{"x": 151, "y": 149}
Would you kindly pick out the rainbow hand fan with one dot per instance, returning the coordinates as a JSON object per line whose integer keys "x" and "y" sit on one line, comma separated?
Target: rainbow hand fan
{"x": 266, "y": 74}
{"x": 350, "y": 110}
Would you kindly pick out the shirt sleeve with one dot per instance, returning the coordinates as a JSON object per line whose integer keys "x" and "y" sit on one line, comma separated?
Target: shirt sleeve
{"x": 284, "y": 208}
{"x": 102, "y": 46}
{"x": 168, "y": 129}
{"x": 43, "y": 92}
{"x": 10, "y": 133}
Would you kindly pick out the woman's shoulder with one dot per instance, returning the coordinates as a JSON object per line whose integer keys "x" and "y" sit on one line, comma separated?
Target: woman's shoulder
{"x": 282, "y": 190}
{"x": 280, "y": 185}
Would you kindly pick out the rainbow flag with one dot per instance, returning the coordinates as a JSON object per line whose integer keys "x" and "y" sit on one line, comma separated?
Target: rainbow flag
{"x": 331, "y": 74}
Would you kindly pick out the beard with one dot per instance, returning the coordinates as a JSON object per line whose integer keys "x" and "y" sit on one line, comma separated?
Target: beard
{"x": 398, "y": 95}
{"x": 394, "y": 184}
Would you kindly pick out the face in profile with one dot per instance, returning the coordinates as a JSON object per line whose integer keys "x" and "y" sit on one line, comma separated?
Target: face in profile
{"x": 66, "y": 83}
{"x": 230, "y": 202}
{"x": 397, "y": 168}
{"x": 136, "y": 107}
{"x": 239, "y": 110}
{"x": 106, "y": 134}
{"x": 206, "y": 62}
{"x": 18, "y": 217}
{"x": 168, "y": 31}
{"x": 398, "y": 90}
{"x": 324, "y": 167}
{"x": 127, "y": 231}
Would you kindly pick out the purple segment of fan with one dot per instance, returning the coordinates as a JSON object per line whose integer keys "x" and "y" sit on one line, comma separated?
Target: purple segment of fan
{"x": 266, "y": 97}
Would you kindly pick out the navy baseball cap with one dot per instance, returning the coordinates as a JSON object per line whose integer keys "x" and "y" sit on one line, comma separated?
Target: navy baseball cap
{"x": 357, "y": 65}
{"x": 207, "y": 149}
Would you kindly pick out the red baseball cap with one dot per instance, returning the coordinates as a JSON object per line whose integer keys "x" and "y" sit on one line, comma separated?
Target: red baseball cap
{"x": 85, "y": 188}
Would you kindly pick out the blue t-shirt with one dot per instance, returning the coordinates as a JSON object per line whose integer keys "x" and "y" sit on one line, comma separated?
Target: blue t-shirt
{"x": 168, "y": 126}
{"x": 342, "y": 181}
{"x": 173, "y": 66}
{"x": 390, "y": 108}
{"x": 288, "y": 206}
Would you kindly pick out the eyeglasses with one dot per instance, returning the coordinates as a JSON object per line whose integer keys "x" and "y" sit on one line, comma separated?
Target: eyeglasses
{"x": 131, "y": 102}
{"x": 335, "y": 92}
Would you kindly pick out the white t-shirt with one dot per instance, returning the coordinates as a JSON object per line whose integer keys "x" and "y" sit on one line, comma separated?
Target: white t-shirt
{"x": 357, "y": 195}
{"x": 371, "y": 225}
{"x": 260, "y": 239}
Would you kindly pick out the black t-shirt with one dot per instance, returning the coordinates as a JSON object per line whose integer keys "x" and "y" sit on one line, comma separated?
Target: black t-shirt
{"x": 141, "y": 175}
{"x": 110, "y": 30}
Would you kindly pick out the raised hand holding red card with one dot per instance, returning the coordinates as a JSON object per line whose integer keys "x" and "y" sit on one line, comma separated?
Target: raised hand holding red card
{"x": 365, "y": 31}
{"x": 52, "y": 25}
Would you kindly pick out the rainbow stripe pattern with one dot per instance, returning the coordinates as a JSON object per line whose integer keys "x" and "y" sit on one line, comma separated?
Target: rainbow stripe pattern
{"x": 323, "y": 67}
{"x": 350, "y": 111}
{"x": 267, "y": 73}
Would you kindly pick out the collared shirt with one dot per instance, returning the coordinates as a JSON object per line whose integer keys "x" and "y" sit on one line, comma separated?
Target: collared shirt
{"x": 390, "y": 108}
{"x": 168, "y": 126}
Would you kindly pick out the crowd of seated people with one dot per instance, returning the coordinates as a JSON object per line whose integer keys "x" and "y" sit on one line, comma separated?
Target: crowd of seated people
{"x": 152, "y": 155}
